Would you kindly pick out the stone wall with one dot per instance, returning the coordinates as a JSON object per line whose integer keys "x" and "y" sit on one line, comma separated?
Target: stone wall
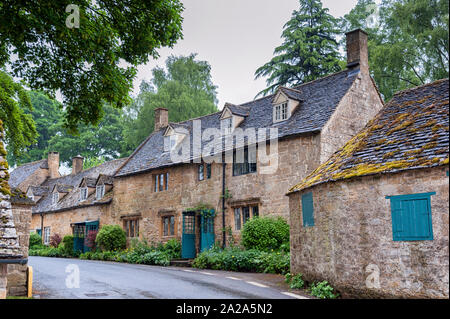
{"x": 17, "y": 274}
{"x": 352, "y": 238}
{"x": 59, "y": 222}
{"x": 361, "y": 103}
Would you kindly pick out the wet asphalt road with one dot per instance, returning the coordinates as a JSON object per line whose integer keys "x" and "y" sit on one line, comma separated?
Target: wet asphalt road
{"x": 57, "y": 278}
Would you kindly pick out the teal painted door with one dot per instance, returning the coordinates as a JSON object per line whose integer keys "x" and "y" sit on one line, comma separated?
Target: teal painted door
{"x": 188, "y": 237}
{"x": 78, "y": 237}
{"x": 207, "y": 233}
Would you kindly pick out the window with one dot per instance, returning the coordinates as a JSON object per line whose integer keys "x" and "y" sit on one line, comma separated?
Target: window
{"x": 201, "y": 175}
{"x": 308, "y": 210}
{"x": 227, "y": 126}
{"x": 238, "y": 220}
{"x": 411, "y": 217}
{"x": 161, "y": 182}
{"x": 281, "y": 112}
{"x": 201, "y": 171}
{"x": 168, "y": 225}
{"x": 83, "y": 193}
{"x": 99, "y": 192}
{"x": 46, "y": 235}
{"x": 249, "y": 161}
{"x": 132, "y": 227}
{"x": 171, "y": 141}
{"x": 55, "y": 198}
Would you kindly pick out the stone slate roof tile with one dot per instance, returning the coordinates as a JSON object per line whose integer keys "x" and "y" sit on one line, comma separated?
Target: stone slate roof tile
{"x": 39, "y": 190}
{"x": 22, "y": 172}
{"x": 411, "y": 131}
{"x": 319, "y": 99}
{"x": 72, "y": 199}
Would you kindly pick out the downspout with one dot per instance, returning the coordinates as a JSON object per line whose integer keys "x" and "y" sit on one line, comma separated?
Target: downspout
{"x": 224, "y": 235}
{"x": 42, "y": 227}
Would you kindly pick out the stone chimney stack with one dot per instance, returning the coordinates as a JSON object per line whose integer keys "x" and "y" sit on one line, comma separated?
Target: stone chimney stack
{"x": 357, "y": 52}
{"x": 77, "y": 164}
{"x": 53, "y": 164}
{"x": 161, "y": 118}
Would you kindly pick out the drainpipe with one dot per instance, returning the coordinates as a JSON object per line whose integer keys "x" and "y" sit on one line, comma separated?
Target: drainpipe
{"x": 42, "y": 227}
{"x": 224, "y": 235}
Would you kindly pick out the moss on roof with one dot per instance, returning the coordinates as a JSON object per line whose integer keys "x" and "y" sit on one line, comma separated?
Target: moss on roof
{"x": 411, "y": 131}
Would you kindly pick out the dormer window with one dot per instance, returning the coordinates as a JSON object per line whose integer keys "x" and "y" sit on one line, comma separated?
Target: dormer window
{"x": 172, "y": 141}
{"x": 83, "y": 193}
{"x": 99, "y": 191}
{"x": 281, "y": 112}
{"x": 55, "y": 198}
{"x": 227, "y": 125}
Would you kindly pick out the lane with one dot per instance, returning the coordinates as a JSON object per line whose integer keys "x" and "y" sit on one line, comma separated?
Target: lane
{"x": 54, "y": 278}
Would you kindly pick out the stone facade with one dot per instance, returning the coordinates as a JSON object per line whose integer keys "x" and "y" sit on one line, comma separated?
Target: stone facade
{"x": 18, "y": 274}
{"x": 351, "y": 243}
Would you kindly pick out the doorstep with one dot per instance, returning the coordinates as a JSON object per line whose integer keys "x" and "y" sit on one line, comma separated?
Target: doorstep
{"x": 181, "y": 262}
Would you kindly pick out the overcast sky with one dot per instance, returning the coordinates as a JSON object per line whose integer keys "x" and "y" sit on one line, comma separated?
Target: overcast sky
{"x": 235, "y": 37}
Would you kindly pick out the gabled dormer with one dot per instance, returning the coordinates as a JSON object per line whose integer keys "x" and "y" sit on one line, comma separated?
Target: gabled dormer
{"x": 35, "y": 193}
{"x": 59, "y": 191}
{"x": 284, "y": 102}
{"x": 173, "y": 135}
{"x": 103, "y": 185}
{"x": 87, "y": 187}
{"x": 232, "y": 116}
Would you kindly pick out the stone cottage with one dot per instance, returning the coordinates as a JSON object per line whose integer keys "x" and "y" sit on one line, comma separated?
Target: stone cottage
{"x": 373, "y": 219}
{"x": 215, "y": 189}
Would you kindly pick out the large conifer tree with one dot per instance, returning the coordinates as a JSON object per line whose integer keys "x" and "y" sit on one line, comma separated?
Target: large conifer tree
{"x": 309, "y": 49}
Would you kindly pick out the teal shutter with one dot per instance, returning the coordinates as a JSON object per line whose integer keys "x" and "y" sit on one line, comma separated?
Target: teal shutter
{"x": 308, "y": 210}
{"x": 411, "y": 217}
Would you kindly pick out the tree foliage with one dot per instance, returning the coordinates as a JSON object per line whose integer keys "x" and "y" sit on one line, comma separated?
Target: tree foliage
{"x": 409, "y": 44}
{"x": 309, "y": 49}
{"x": 18, "y": 125}
{"x": 185, "y": 88}
{"x": 90, "y": 64}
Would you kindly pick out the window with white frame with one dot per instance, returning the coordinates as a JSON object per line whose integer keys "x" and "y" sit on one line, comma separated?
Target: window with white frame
{"x": 227, "y": 125}
{"x": 171, "y": 141}
{"x": 55, "y": 198}
{"x": 281, "y": 112}
{"x": 99, "y": 191}
{"x": 46, "y": 235}
{"x": 83, "y": 193}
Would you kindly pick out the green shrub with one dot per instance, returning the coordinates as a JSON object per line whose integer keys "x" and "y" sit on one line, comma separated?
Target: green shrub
{"x": 35, "y": 240}
{"x": 265, "y": 233}
{"x": 235, "y": 259}
{"x": 111, "y": 237}
{"x": 323, "y": 290}
{"x": 295, "y": 282}
{"x": 68, "y": 245}
{"x": 173, "y": 248}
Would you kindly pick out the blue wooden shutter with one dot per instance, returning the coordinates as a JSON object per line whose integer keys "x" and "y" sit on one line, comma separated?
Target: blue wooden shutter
{"x": 308, "y": 210}
{"x": 411, "y": 217}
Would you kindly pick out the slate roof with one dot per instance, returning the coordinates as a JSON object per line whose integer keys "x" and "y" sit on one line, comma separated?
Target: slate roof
{"x": 319, "y": 99}
{"x": 39, "y": 190}
{"x": 22, "y": 172}
{"x": 19, "y": 197}
{"x": 410, "y": 132}
{"x": 292, "y": 93}
{"x": 72, "y": 199}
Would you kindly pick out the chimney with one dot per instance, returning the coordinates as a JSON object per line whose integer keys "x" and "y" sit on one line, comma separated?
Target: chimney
{"x": 357, "y": 52}
{"x": 77, "y": 164}
{"x": 53, "y": 164}
{"x": 161, "y": 118}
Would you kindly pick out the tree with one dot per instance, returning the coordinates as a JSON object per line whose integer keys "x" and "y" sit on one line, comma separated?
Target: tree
{"x": 89, "y": 64}
{"x": 409, "y": 47}
{"x": 96, "y": 144}
{"x": 309, "y": 49}
{"x": 19, "y": 127}
{"x": 185, "y": 89}
{"x": 45, "y": 113}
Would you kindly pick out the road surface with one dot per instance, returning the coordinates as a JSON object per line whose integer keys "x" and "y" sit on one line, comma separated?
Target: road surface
{"x": 58, "y": 278}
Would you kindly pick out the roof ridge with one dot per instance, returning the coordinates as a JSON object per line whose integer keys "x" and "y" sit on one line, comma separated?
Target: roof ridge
{"x": 31, "y": 163}
{"x": 420, "y": 86}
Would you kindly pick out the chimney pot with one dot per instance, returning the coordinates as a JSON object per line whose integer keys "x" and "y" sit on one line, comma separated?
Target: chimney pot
{"x": 161, "y": 118}
{"x": 77, "y": 164}
{"x": 357, "y": 51}
{"x": 53, "y": 164}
